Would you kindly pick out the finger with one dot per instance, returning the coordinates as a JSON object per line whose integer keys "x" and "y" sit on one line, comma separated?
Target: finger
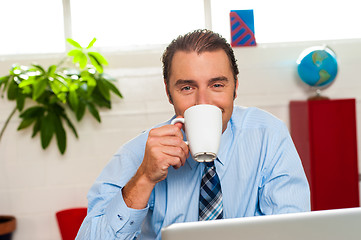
{"x": 182, "y": 152}
{"x": 166, "y": 157}
{"x": 174, "y": 147}
{"x": 179, "y": 125}
{"x": 175, "y": 162}
{"x": 166, "y": 130}
{"x": 175, "y": 142}
{"x": 175, "y": 152}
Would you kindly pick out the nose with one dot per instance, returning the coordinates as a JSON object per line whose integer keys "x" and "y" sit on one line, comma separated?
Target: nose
{"x": 203, "y": 97}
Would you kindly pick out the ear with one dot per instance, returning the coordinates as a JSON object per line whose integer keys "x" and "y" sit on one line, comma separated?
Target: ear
{"x": 235, "y": 89}
{"x": 168, "y": 94}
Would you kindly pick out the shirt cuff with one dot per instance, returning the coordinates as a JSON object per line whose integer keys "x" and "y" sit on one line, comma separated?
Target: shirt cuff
{"x": 121, "y": 217}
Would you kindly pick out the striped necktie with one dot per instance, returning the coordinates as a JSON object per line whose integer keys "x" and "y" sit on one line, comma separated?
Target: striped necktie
{"x": 210, "y": 197}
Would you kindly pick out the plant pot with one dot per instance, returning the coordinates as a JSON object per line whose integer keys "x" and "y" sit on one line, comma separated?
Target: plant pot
{"x": 7, "y": 227}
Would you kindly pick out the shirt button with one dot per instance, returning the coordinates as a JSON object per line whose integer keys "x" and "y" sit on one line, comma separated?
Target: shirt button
{"x": 131, "y": 222}
{"x": 120, "y": 217}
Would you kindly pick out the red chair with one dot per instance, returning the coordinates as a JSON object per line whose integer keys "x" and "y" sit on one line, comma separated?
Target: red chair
{"x": 69, "y": 221}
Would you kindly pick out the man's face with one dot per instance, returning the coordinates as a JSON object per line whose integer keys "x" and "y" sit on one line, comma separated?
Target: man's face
{"x": 202, "y": 79}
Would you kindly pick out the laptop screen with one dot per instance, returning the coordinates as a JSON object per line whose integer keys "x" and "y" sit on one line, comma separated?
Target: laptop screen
{"x": 328, "y": 224}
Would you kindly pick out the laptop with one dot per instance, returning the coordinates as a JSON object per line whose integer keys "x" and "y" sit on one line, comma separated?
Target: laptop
{"x": 336, "y": 224}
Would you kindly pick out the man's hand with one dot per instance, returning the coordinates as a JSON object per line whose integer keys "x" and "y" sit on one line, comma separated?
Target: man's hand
{"x": 164, "y": 148}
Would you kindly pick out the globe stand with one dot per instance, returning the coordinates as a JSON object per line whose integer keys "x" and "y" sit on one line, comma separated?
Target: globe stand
{"x": 318, "y": 96}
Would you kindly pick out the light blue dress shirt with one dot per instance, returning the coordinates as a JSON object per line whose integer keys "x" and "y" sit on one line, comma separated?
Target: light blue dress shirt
{"x": 258, "y": 166}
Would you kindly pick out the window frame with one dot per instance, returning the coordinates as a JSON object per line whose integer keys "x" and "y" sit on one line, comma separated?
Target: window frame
{"x": 67, "y": 20}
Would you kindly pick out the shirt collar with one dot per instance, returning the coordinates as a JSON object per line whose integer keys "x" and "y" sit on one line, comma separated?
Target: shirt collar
{"x": 225, "y": 142}
{"x": 191, "y": 162}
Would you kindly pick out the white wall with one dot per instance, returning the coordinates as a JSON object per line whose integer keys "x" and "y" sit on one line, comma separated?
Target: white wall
{"x": 34, "y": 184}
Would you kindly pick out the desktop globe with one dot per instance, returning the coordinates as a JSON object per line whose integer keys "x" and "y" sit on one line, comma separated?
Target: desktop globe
{"x": 317, "y": 67}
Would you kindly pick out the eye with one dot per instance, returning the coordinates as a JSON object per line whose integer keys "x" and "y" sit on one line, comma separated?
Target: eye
{"x": 218, "y": 85}
{"x": 186, "y": 88}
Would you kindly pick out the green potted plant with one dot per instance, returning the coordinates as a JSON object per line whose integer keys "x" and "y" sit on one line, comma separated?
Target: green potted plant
{"x": 75, "y": 85}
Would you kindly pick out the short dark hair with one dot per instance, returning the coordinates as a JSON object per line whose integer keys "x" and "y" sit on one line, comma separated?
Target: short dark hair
{"x": 198, "y": 41}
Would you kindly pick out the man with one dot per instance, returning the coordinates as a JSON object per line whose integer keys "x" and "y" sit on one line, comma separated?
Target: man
{"x": 153, "y": 181}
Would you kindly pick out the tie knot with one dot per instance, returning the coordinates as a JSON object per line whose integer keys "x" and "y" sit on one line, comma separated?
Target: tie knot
{"x": 209, "y": 164}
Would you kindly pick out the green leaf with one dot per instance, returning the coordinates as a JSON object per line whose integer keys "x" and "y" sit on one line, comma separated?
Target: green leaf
{"x": 73, "y": 99}
{"x": 60, "y": 88}
{"x": 60, "y": 134}
{"x": 20, "y": 101}
{"x": 74, "y": 43}
{"x": 60, "y": 83}
{"x": 51, "y": 70}
{"x": 100, "y": 59}
{"x": 47, "y": 129}
{"x": 33, "y": 112}
{"x": 98, "y": 99}
{"x": 36, "y": 127}
{"x": 4, "y": 80}
{"x": 26, "y": 82}
{"x": 91, "y": 43}
{"x": 92, "y": 109}
{"x": 53, "y": 99}
{"x": 62, "y": 79}
{"x": 96, "y": 64}
{"x": 6, "y": 83}
{"x": 80, "y": 111}
{"x": 39, "y": 87}
{"x": 58, "y": 109}
{"x": 12, "y": 90}
{"x": 40, "y": 68}
{"x": 74, "y": 85}
{"x": 81, "y": 59}
{"x": 26, "y": 123}
{"x": 90, "y": 82}
{"x": 70, "y": 125}
{"x": 26, "y": 90}
{"x": 112, "y": 88}
{"x": 103, "y": 88}
{"x": 74, "y": 52}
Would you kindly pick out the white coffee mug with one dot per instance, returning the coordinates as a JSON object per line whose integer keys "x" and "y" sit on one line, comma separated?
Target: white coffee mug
{"x": 203, "y": 127}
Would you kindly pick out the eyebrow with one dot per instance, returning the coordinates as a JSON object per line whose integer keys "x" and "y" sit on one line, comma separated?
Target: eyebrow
{"x": 212, "y": 80}
{"x": 183, "y": 81}
{"x": 216, "y": 79}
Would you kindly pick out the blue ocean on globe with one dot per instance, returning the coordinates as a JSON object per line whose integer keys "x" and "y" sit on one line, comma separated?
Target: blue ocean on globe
{"x": 317, "y": 66}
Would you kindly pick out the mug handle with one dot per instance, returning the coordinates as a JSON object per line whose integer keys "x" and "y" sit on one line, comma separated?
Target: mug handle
{"x": 177, "y": 120}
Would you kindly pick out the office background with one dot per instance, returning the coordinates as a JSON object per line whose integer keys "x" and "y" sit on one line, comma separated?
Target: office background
{"x": 34, "y": 183}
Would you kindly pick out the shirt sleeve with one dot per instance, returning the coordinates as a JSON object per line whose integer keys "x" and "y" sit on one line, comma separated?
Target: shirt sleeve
{"x": 284, "y": 187}
{"x": 117, "y": 222}
{"x": 108, "y": 216}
